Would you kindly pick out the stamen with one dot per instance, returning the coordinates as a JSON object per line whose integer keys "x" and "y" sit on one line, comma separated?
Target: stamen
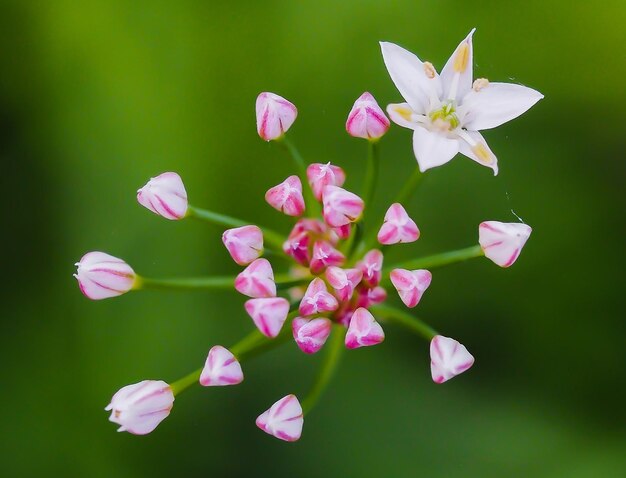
{"x": 429, "y": 70}
{"x": 462, "y": 58}
{"x": 479, "y": 84}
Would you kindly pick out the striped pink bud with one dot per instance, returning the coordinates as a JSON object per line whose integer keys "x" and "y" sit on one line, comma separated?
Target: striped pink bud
{"x": 341, "y": 207}
{"x": 398, "y": 227}
{"x": 287, "y": 197}
{"x": 317, "y": 299}
{"x": 322, "y": 175}
{"x": 325, "y": 255}
{"x": 101, "y": 276}
{"x": 244, "y": 244}
{"x": 274, "y": 115}
{"x": 268, "y": 314}
{"x": 366, "y": 119}
{"x": 165, "y": 195}
{"x": 410, "y": 284}
{"x": 363, "y": 330}
{"x": 221, "y": 368}
{"x": 283, "y": 420}
{"x": 448, "y": 358}
{"x": 257, "y": 280}
{"x": 371, "y": 265}
{"x": 502, "y": 242}
{"x": 344, "y": 281}
{"x": 310, "y": 334}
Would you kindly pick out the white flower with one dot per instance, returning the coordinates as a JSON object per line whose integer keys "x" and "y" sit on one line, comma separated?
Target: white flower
{"x": 447, "y": 111}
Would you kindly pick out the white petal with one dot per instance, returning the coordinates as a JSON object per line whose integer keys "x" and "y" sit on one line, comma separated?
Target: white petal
{"x": 433, "y": 149}
{"x": 495, "y": 104}
{"x": 486, "y": 156}
{"x": 465, "y": 77}
{"x": 403, "y": 115}
{"x": 407, "y": 72}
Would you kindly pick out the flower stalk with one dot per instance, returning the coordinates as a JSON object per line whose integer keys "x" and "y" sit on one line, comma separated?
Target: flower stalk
{"x": 438, "y": 260}
{"x": 313, "y": 208}
{"x": 408, "y": 321}
{"x": 283, "y": 282}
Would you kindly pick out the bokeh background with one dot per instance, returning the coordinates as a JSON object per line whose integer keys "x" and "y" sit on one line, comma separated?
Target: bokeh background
{"x": 98, "y": 96}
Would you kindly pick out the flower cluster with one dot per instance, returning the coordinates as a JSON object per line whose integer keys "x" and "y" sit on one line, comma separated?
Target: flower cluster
{"x": 336, "y": 288}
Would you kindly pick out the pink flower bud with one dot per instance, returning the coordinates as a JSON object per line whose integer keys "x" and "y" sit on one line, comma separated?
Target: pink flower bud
{"x": 371, "y": 266}
{"x": 366, "y": 119}
{"x": 274, "y": 115}
{"x": 287, "y": 197}
{"x": 410, "y": 284}
{"x": 257, "y": 280}
{"x": 398, "y": 227}
{"x": 325, "y": 255}
{"x": 317, "y": 299}
{"x": 268, "y": 314}
{"x": 322, "y": 175}
{"x": 363, "y": 330}
{"x": 343, "y": 232}
{"x": 244, "y": 244}
{"x": 101, "y": 276}
{"x": 140, "y": 407}
{"x": 448, "y": 358}
{"x": 221, "y": 368}
{"x": 502, "y": 242}
{"x": 165, "y": 195}
{"x": 310, "y": 334}
{"x": 283, "y": 420}
{"x": 341, "y": 207}
{"x": 372, "y": 296}
{"x": 343, "y": 281}
{"x": 298, "y": 248}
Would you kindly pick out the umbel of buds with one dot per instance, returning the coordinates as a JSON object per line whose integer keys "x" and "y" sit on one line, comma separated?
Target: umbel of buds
{"x": 325, "y": 283}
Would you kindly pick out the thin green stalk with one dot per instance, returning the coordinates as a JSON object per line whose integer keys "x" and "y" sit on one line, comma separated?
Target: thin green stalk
{"x": 270, "y": 237}
{"x": 410, "y": 187}
{"x": 437, "y": 260}
{"x": 313, "y": 207}
{"x": 405, "y": 319}
{"x": 283, "y": 282}
{"x": 250, "y": 346}
{"x": 334, "y": 347}
{"x": 371, "y": 172}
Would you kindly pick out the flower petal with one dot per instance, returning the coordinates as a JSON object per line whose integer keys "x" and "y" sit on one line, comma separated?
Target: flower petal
{"x": 408, "y": 74}
{"x": 479, "y": 151}
{"x": 495, "y": 104}
{"x": 403, "y": 115}
{"x": 433, "y": 149}
{"x": 461, "y": 63}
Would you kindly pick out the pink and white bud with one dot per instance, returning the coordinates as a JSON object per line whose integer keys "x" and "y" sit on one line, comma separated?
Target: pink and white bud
{"x": 398, "y": 227}
{"x": 344, "y": 313}
{"x": 317, "y": 299}
{"x": 310, "y": 334}
{"x": 268, "y": 314}
{"x": 502, "y": 242}
{"x": 363, "y": 330}
{"x": 372, "y": 266}
{"x": 410, "y": 284}
{"x": 140, "y": 407}
{"x": 101, "y": 276}
{"x": 322, "y": 175}
{"x": 283, "y": 420}
{"x": 325, "y": 255}
{"x": 274, "y": 115}
{"x": 366, "y": 119}
{"x": 257, "y": 280}
{"x": 287, "y": 197}
{"x": 373, "y": 296}
{"x": 165, "y": 195}
{"x": 344, "y": 281}
{"x": 297, "y": 247}
{"x": 448, "y": 358}
{"x": 221, "y": 368}
{"x": 341, "y": 207}
{"x": 244, "y": 244}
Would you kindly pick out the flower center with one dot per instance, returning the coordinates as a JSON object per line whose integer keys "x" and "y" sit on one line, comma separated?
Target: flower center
{"x": 444, "y": 119}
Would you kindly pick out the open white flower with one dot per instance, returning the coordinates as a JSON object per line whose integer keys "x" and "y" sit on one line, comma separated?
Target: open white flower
{"x": 447, "y": 111}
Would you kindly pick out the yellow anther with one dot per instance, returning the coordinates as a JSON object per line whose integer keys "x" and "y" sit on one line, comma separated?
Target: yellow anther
{"x": 480, "y": 83}
{"x": 403, "y": 111}
{"x": 462, "y": 58}
{"x": 482, "y": 153}
{"x": 429, "y": 70}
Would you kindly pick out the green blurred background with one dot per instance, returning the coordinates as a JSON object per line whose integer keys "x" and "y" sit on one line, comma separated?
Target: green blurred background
{"x": 97, "y": 96}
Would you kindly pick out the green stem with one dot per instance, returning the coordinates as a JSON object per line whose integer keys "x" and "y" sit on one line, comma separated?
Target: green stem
{"x": 371, "y": 172}
{"x": 313, "y": 207}
{"x": 333, "y": 353}
{"x": 250, "y": 346}
{"x": 283, "y": 282}
{"x": 410, "y": 187}
{"x": 437, "y": 260}
{"x": 405, "y": 319}
{"x": 269, "y": 236}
